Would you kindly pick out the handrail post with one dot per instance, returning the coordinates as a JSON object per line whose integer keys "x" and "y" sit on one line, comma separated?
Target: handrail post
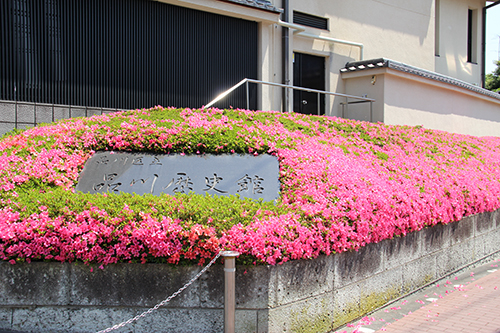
{"x": 347, "y": 106}
{"x": 371, "y": 111}
{"x": 248, "y": 96}
{"x": 229, "y": 290}
{"x": 318, "y": 108}
{"x": 15, "y": 107}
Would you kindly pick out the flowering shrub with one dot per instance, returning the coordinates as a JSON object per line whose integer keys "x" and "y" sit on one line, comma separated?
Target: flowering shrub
{"x": 344, "y": 184}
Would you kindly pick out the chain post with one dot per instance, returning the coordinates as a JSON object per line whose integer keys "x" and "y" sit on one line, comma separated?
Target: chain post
{"x": 229, "y": 290}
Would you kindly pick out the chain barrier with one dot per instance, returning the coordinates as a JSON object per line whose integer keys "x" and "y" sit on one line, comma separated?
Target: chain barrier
{"x": 145, "y": 313}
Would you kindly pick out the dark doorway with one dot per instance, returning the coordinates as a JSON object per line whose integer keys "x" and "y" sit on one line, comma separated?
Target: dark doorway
{"x": 308, "y": 72}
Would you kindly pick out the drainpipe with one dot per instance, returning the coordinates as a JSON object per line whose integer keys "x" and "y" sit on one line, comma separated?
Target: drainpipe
{"x": 483, "y": 50}
{"x": 483, "y": 44}
{"x": 286, "y": 57}
{"x": 300, "y": 31}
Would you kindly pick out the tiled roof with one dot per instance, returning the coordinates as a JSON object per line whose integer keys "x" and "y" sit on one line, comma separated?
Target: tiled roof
{"x": 382, "y": 62}
{"x": 260, "y": 4}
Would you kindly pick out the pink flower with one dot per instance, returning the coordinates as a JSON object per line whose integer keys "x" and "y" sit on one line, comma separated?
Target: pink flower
{"x": 344, "y": 184}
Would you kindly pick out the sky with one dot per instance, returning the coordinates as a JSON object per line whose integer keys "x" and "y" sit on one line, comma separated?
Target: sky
{"x": 492, "y": 37}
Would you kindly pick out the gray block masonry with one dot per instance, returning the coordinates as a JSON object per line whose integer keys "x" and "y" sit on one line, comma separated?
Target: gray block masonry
{"x": 26, "y": 114}
{"x": 299, "y": 296}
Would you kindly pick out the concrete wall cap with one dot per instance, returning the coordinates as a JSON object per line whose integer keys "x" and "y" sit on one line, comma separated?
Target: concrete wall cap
{"x": 399, "y": 66}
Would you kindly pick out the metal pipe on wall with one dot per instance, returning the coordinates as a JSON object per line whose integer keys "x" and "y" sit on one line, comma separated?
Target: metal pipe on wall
{"x": 483, "y": 50}
{"x": 286, "y": 56}
{"x": 483, "y": 43}
{"x": 300, "y": 31}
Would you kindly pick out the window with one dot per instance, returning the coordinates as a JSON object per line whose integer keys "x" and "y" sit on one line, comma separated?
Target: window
{"x": 472, "y": 36}
{"x": 310, "y": 20}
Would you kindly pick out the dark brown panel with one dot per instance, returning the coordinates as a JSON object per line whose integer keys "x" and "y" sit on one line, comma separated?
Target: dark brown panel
{"x": 122, "y": 54}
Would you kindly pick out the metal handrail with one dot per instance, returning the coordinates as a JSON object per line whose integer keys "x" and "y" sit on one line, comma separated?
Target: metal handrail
{"x": 246, "y": 81}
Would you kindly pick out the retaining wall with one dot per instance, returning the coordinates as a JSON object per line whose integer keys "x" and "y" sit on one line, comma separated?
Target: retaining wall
{"x": 299, "y": 296}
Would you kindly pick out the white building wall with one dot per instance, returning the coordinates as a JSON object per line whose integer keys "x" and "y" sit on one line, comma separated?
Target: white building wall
{"x": 370, "y": 84}
{"x": 452, "y": 51}
{"x": 270, "y": 66}
{"x": 394, "y": 29}
{"x": 408, "y": 99}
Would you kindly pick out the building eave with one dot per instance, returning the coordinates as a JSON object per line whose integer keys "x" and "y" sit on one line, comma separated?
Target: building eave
{"x": 368, "y": 65}
{"x": 259, "y": 4}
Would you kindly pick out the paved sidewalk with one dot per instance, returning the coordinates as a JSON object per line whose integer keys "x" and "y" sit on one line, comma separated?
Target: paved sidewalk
{"x": 469, "y": 303}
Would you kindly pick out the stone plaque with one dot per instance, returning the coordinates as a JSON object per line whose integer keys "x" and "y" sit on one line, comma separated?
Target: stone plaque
{"x": 247, "y": 175}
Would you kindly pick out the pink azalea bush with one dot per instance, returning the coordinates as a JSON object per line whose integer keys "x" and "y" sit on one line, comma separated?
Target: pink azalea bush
{"x": 344, "y": 184}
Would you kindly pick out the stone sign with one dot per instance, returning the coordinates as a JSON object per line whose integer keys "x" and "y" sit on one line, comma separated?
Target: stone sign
{"x": 247, "y": 175}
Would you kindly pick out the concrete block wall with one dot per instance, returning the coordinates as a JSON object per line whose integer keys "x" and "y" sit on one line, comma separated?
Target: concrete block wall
{"x": 25, "y": 114}
{"x": 299, "y": 296}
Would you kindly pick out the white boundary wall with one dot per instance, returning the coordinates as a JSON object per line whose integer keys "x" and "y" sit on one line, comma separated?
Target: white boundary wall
{"x": 408, "y": 99}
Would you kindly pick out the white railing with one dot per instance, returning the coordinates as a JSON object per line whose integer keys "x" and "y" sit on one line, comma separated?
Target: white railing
{"x": 319, "y": 92}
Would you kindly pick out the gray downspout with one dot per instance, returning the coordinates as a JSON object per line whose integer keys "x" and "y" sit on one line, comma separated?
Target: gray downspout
{"x": 483, "y": 51}
{"x": 483, "y": 46}
{"x": 286, "y": 56}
